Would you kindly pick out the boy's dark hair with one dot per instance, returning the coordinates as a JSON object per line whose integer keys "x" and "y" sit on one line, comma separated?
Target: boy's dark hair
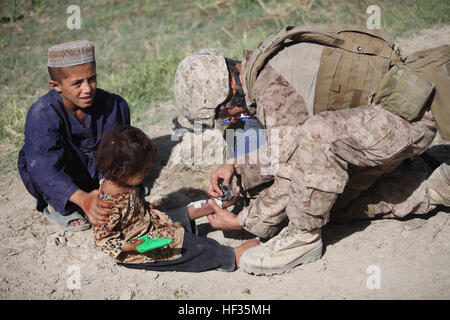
{"x": 54, "y": 73}
{"x": 123, "y": 150}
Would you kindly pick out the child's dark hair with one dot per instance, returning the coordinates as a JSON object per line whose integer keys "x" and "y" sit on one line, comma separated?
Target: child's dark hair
{"x": 124, "y": 150}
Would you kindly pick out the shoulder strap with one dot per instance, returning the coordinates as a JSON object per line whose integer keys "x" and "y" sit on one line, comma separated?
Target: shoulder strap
{"x": 328, "y": 35}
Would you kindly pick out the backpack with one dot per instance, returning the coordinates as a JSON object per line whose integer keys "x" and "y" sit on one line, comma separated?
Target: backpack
{"x": 353, "y": 62}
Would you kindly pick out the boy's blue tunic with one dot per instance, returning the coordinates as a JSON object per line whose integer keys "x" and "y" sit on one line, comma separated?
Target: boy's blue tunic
{"x": 58, "y": 155}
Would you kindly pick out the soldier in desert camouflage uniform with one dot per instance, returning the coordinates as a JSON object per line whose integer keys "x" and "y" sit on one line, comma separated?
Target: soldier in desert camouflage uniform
{"x": 327, "y": 163}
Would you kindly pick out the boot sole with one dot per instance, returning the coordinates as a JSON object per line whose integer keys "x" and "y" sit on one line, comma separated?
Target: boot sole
{"x": 311, "y": 256}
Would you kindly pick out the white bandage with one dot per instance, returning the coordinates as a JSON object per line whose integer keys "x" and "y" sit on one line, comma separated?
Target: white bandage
{"x": 198, "y": 204}
{"x": 218, "y": 202}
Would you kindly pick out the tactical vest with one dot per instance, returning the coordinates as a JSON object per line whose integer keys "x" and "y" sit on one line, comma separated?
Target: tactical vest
{"x": 352, "y": 65}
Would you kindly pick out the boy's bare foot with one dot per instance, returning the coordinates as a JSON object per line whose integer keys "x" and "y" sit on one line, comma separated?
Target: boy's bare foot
{"x": 238, "y": 251}
{"x": 77, "y": 222}
{"x": 73, "y": 223}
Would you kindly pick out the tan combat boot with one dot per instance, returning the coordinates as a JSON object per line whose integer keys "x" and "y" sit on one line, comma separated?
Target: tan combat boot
{"x": 290, "y": 248}
{"x": 439, "y": 186}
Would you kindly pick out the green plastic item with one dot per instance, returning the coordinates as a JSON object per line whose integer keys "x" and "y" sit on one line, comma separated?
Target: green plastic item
{"x": 151, "y": 244}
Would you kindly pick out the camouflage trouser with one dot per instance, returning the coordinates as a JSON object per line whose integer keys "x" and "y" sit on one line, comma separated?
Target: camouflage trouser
{"x": 343, "y": 153}
{"x": 394, "y": 195}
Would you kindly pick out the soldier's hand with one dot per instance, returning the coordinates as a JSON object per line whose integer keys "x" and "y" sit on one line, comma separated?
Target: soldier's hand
{"x": 222, "y": 175}
{"x": 222, "y": 219}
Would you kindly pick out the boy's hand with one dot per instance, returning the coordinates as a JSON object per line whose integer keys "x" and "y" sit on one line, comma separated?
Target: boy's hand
{"x": 131, "y": 246}
{"x": 95, "y": 209}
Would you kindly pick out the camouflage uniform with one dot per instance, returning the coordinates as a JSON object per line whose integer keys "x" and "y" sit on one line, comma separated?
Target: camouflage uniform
{"x": 329, "y": 162}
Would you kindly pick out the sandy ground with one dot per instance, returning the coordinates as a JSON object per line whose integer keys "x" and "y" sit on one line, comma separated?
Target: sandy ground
{"x": 377, "y": 259}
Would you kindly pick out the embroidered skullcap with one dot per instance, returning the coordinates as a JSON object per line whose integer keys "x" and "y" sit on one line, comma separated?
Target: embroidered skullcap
{"x": 71, "y": 53}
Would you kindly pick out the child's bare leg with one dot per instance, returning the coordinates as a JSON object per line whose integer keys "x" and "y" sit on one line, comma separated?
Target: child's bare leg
{"x": 238, "y": 251}
{"x": 202, "y": 208}
{"x": 199, "y": 209}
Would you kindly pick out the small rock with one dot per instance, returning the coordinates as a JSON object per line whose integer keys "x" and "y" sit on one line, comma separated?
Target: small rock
{"x": 322, "y": 266}
{"x": 61, "y": 241}
{"x": 51, "y": 242}
{"x": 132, "y": 285}
{"x": 49, "y": 291}
{"x": 46, "y": 290}
{"x": 68, "y": 295}
{"x": 126, "y": 295}
{"x": 84, "y": 257}
{"x": 414, "y": 224}
{"x": 153, "y": 275}
{"x": 72, "y": 244}
{"x": 399, "y": 229}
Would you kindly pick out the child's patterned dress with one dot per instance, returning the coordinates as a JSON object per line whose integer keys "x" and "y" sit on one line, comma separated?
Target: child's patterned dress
{"x": 132, "y": 218}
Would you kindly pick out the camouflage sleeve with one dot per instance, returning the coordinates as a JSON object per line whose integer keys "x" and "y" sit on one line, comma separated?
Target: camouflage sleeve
{"x": 252, "y": 173}
{"x": 281, "y": 111}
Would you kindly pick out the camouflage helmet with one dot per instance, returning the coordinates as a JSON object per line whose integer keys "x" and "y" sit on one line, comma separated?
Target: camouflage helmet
{"x": 201, "y": 84}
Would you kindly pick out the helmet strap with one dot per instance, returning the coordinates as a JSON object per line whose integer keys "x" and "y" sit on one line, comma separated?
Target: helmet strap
{"x": 238, "y": 98}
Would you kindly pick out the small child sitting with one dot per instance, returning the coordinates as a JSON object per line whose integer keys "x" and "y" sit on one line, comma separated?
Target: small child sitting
{"x": 124, "y": 157}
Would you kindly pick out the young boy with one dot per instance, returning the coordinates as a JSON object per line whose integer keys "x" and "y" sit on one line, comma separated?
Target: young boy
{"x": 62, "y": 131}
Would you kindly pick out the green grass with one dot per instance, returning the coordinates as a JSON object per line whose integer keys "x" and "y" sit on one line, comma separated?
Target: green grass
{"x": 139, "y": 43}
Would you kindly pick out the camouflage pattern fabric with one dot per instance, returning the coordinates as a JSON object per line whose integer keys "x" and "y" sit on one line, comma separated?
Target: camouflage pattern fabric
{"x": 201, "y": 84}
{"x": 275, "y": 99}
{"x": 394, "y": 195}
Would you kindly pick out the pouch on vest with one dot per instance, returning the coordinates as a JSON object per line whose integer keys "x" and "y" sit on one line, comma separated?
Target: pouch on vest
{"x": 403, "y": 92}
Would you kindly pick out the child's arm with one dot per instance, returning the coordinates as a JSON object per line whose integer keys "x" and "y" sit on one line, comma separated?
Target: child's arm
{"x": 131, "y": 246}
{"x": 111, "y": 243}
